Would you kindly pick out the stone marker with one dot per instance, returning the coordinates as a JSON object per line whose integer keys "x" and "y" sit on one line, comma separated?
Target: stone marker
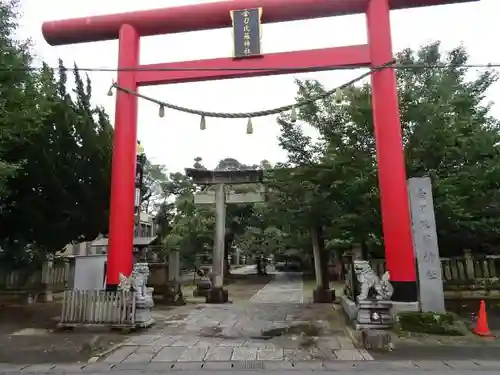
{"x": 431, "y": 296}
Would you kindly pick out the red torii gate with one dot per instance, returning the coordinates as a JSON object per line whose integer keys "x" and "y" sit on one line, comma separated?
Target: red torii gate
{"x": 129, "y": 27}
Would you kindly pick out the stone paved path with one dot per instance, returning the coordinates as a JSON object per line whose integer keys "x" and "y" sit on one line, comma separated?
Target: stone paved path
{"x": 273, "y": 326}
{"x": 245, "y": 270}
{"x": 413, "y": 367}
{"x": 286, "y": 288}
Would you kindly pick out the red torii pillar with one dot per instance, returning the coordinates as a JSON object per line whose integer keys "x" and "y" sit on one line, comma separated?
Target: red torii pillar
{"x": 129, "y": 27}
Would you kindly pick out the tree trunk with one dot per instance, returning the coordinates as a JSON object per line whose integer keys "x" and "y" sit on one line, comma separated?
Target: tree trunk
{"x": 325, "y": 280}
{"x": 320, "y": 257}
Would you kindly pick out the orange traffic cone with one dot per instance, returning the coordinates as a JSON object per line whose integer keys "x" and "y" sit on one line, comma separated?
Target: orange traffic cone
{"x": 481, "y": 328}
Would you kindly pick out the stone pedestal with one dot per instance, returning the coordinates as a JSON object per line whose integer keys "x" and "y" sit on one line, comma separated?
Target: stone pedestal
{"x": 143, "y": 305}
{"x": 143, "y": 295}
{"x": 172, "y": 294}
{"x": 373, "y": 314}
{"x": 49, "y": 297}
{"x": 203, "y": 287}
{"x": 143, "y": 317}
{"x": 169, "y": 293}
{"x": 217, "y": 295}
{"x": 374, "y": 339}
{"x": 322, "y": 295}
{"x": 47, "y": 274}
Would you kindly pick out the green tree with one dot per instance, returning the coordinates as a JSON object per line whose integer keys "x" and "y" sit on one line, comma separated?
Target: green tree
{"x": 326, "y": 192}
{"x": 191, "y": 227}
{"x": 451, "y": 137}
{"x": 18, "y": 92}
{"x": 154, "y": 185}
{"x": 60, "y": 193}
{"x": 448, "y": 135}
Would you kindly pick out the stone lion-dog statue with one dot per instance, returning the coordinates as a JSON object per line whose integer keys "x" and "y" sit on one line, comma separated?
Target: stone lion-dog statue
{"x": 370, "y": 281}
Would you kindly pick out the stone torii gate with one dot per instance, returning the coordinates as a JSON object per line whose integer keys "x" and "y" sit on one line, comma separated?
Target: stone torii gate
{"x": 219, "y": 197}
{"x": 128, "y": 28}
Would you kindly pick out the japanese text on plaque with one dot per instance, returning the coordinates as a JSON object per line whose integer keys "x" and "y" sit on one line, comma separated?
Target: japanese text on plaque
{"x": 426, "y": 231}
{"x": 246, "y": 32}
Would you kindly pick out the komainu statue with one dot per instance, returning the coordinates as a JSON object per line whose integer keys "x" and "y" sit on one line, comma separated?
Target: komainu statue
{"x": 369, "y": 281}
{"x": 137, "y": 282}
{"x": 140, "y": 274}
{"x": 125, "y": 282}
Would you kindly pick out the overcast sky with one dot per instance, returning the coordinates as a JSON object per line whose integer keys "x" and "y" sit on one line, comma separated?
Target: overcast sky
{"x": 176, "y": 139}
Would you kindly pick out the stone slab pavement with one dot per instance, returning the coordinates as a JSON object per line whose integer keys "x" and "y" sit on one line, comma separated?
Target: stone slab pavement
{"x": 435, "y": 352}
{"x": 285, "y": 288}
{"x": 273, "y": 326}
{"x": 304, "y": 368}
{"x": 245, "y": 270}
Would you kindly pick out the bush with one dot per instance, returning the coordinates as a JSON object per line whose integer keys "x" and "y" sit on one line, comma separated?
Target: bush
{"x": 434, "y": 323}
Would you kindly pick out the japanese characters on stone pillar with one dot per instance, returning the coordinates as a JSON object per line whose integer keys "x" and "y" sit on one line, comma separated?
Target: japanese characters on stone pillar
{"x": 425, "y": 243}
{"x": 246, "y": 32}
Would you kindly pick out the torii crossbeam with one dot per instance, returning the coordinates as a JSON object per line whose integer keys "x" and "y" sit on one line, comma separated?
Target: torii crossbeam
{"x": 129, "y": 27}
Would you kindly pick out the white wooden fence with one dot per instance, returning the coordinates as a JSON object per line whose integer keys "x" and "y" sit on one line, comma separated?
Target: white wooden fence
{"x": 84, "y": 308}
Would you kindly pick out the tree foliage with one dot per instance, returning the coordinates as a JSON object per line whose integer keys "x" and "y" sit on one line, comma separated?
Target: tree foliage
{"x": 448, "y": 135}
{"x": 55, "y": 154}
{"x": 329, "y": 184}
